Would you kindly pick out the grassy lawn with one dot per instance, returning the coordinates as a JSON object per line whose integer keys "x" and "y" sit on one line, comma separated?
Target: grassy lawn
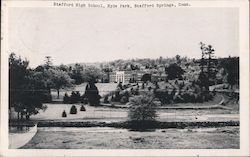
{"x": 110, "y": 138}
{"x": 103, "y": 88}
{"x": 54, "y": 112}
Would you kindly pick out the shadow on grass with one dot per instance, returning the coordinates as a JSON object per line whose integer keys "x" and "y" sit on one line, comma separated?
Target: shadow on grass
{"x": 142, "y": 126}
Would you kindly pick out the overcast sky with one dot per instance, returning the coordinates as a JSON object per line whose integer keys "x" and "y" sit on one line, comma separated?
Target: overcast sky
{"x": 90, "y": 35}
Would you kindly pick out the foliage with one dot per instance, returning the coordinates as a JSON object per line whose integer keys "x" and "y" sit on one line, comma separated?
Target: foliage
{"x": 60, "y": 79}
{"x": 64, "y": 114}
{"x": 106, "y": 99}
{"x": 146, "y": 77}
{"x": 142, "y": 108}
{"x": 208, "y": 66}
{"x": 26, "y": 91}
{"x": 75, "y": 97}
{"x": 174, "y": 71}
{"x": 76, "y": 73}
{"x": 73, "y": 110}
{"x": 66, "y": 98}
{"x": 82, "y": 108}
{"x": 92, "y": 94}
{"x": 231, "y": 68}
{"x": 91, "y": 74}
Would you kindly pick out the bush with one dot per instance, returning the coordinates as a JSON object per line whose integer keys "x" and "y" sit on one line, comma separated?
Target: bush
{"x": 73, "y": 110}
{"x": 84, "y": 100}
{"x": 75, "y": 97}
{"x": 46, "y": 97}
{"x": 82, "y": 108}
{"x": 117, "y": 97}
{"x": 142, "y": 108}
{"x": 106, "y": 101}
{"x": 66, "y": 98}
{"x": 64, "y": 114}
{"x": 162, "y": 95}
{"x": 124, "y": 99}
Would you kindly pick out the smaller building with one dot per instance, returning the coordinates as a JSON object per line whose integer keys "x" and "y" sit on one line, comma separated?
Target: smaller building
{"x": 126, "y": 76}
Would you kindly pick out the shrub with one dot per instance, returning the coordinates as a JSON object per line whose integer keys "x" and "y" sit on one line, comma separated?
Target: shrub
{"x": 117, "y": 97}
{"x": 82, "y": 108}
{"x": 75, "y": 97}
{"x": 162, "y": 95}
{"x": 73, "y": 110}
{"x": 64, "y": 114}
{"x": 142, "y": 108}
{"x": 106, "y": 101}
{"x": 66, "y": 98}
{"x": 124, "y": 99}
{"x": 84, "y": 99}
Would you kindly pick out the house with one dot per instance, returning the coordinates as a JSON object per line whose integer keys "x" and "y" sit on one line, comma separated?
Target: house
{"x": 126, "y": 76}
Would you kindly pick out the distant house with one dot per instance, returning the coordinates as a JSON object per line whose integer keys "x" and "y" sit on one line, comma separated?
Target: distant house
{"x": 126, "y": 76}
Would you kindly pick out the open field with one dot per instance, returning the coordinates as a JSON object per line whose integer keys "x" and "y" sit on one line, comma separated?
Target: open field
{"x": 111, "y": 138}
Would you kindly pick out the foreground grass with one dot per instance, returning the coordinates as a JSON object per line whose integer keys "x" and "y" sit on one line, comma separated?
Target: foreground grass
{"x": 110, "y": 138}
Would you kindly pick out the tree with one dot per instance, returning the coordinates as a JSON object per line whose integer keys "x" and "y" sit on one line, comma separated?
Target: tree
{"x": 92, "y": 94}
{"x": 107, "y": 70}
{"x": 174, "y": 71}
{"x": 91, "y": 74}
{"x": 178, "y": 59}
{"x": 207, "y": 77}
{"x": 60, "y": 79}
{"x": 26, "y": 90}
{"x": 146, "y": 77}
{"x": 73, "y": 110}
{"x": 142, "y": 108}
{"x": 77, "y": 74}
{"x": 231, "y": 67}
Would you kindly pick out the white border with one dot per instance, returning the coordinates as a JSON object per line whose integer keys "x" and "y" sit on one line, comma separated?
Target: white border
{"x": 243, "y": 6}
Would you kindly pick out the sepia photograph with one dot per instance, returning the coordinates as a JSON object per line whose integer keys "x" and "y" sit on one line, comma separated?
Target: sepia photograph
{"x": 114, "y": 75}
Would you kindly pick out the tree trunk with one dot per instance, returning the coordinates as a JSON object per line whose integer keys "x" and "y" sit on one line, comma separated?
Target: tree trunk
{"x": 18, "y": 115}
{"x": 58, "y": 91}
{"x": 21, "y": 115}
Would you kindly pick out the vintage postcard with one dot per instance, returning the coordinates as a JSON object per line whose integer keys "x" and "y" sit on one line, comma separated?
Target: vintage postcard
{"x": 124, "y": 78}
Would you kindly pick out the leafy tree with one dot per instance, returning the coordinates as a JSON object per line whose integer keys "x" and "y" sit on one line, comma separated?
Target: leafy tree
{"x": 91, "y": 74}
{"x": 60, "y": 80}
{"x": 107, "y": 70}
{"x": 142, "y": 108}
{"x": 26, "y": 92}
{"x": 174, "y": 71}
{"x": 146, "y": 77}
{"x": 77, "y": 74}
